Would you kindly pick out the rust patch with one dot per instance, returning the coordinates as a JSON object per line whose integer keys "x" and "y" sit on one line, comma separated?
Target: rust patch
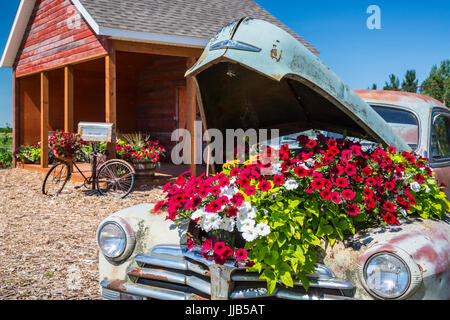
{"x": 276, "y": 76}
{"x": 196, "y": 297}
{"x": 116, "y": 285}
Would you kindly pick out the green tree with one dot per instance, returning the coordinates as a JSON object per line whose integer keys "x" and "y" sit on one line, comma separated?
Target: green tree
{"x": 374, "y": 87}
{"x": 393, "y": 84}
{"x": 410, "y": 83}
{"x": 437, "y": 85}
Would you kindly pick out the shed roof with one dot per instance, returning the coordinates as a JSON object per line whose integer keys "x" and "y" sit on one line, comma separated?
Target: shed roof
{"x": 178, "y": 22}
{"x": 185, "y": 18}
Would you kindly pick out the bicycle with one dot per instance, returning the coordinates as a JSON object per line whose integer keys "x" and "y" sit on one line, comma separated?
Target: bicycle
{"x": 115, "y": 177}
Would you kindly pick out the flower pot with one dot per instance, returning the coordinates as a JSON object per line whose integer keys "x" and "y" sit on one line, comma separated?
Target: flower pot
{"x": 63, "y": 158}
{"x": 145, "y": 170}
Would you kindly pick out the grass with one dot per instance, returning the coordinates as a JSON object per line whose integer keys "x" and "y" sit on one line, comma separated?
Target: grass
{"x": 6, "y": 139}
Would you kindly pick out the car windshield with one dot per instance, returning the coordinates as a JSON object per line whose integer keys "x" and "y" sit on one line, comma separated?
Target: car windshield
{"x": 403, "y": 123}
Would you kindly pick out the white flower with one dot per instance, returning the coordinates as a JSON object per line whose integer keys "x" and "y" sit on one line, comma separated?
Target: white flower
{"x": 262, "y": 229}
{"x": 229, "y": 191}
{"x": 310, "y": 162}
{"x": 415, "y": 186}
{"x": 427, "y": 189}
{"x": 199, "y": 213}
{"x": 211, "y": 221}
{"x": 291, "y": 184}
{"x": 227, "y": 224}
{"x": 403, "y": 212}
{"x": 246, "y": 225}
{"x": 250, "y": 235}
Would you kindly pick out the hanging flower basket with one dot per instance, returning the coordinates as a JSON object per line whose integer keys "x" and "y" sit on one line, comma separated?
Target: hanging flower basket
{"x": 65, "y": 145}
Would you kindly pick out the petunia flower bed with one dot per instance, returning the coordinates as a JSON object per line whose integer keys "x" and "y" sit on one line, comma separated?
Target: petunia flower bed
{"x": 144, "y": 150}
{"x": 284, "y": 207}
{"x": 66, "y": 144}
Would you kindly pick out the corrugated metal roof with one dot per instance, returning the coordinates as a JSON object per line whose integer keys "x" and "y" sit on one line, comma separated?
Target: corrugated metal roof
{"x": 185, "y": 18}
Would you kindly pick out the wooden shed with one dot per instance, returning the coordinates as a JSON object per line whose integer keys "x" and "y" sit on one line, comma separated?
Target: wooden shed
{"x": 116, "y": 61}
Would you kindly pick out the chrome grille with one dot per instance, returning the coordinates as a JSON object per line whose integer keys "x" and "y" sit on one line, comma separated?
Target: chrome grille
{"x": 171, "y": 273}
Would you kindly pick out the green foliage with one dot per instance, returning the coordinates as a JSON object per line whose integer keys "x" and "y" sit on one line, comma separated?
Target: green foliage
{"x": 410, "y": 82}
{"x": 393, "y": 84}
{"x": 298, "y": 227}
{"x": 30, "y": 153}
{"x": 437, "y": 84}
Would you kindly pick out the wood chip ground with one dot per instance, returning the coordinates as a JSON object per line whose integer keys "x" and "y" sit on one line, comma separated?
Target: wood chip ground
{"x": 48, "y": 248}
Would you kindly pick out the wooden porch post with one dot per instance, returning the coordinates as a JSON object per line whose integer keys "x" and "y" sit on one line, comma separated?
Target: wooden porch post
{"x": 44, "y": 119}
{"x": 16, "y": 116}
{"x": 191, "y": 113}
{"x": 111, "y": 97}
{"x": 68, "y": 99}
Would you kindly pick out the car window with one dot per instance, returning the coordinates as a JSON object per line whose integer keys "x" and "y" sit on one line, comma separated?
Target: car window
{"x": 440, "y": 137}
{"x": 403, "y": 123}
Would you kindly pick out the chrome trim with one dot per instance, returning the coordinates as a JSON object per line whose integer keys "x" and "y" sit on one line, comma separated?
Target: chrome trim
{"x": 214, "y": 281}
{"x": 148, "y": 291}
{"x": 173, "y": 277}
{"x": 233, "y": 44}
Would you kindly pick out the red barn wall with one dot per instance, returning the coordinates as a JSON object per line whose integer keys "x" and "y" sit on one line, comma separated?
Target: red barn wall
{"x": 56, "y": 35}
{"x": 156, "y": 102}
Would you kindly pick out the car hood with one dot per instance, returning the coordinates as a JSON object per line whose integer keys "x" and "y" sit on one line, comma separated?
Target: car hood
{"x": 253, "y": 74}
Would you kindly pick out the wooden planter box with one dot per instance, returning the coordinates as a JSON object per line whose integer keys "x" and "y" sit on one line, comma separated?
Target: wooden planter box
{"x": 145, "y": 170}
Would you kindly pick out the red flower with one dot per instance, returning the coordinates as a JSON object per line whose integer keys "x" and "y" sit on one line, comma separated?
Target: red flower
{"x": 235, "y": 172}
{"x": 348, "y": 194}
{"x": 219, "y": 248}
{"x": 232, "y": 211}
{"x": 350, "y": 169}
{"x": 237, "y": 199}
{"x": 388, "y": 206}
{"x": 341, "y": 182}
{"x": 190, "y": 244}
{"x": 311, "y": 144}
{"x": 392, "y": 149}
{"x": 264, "y": 185}
{"x": 278, "y": 180}
{"x": 300, "y": 171}
{"x": 366, "y": 171}
{"x": 419, "y": 178}
{"x": 244, "y": 182}
{"x": 250, "y": 190}
{"x": 371, "y": 204}
{"x": 325, "y": 194}
{"x": 215, "y": 190}
{"x": 158, "y": 205}
{"x": 241, "y": 255}
{"x": 390, "y": 185}
{"x": 367, "y": 192}
{"x": 389, "y": 218}
{"x": 371, "y": 181}
{"x": 352, "y": 209}
{"x": 318, "y": 184}
{"x": 336, "y": 197}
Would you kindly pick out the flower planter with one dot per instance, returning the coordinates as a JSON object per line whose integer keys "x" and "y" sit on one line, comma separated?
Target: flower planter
{"x": 145, "y": 170}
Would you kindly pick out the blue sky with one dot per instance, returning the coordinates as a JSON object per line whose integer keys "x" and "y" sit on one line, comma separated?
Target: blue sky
{"x": 414, "y": 35}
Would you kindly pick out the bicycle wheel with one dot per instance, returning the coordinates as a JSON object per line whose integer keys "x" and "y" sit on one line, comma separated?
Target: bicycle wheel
{"x": 56, "y": 179}
{"x": 115, "y": 179}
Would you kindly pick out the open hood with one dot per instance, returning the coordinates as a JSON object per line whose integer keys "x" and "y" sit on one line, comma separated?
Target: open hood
{"x": 253, "y": 74}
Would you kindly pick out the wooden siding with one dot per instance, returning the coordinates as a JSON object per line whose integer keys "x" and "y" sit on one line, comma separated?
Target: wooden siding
{"x": 156, "y": 102}
{"x": 56, "y": 35}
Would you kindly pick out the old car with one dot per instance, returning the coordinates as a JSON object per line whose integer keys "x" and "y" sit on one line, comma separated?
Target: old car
{"x": 252, "y": 74}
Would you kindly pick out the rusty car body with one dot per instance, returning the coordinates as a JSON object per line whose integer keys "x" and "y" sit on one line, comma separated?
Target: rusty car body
{"x": 254, "y": 75}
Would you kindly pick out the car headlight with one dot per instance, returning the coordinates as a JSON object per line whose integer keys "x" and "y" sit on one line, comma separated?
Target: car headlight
{"x": 115, "y": 239}
{"x": 386, "y": 275}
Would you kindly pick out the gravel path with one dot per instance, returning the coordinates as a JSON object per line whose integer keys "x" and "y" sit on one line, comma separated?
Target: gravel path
{"x": 47, "y": 246}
